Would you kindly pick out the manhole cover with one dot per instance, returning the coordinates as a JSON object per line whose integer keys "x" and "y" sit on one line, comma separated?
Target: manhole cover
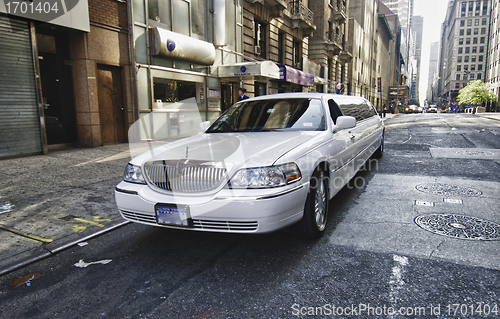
{"x": 448, "y": 190}
{"x": 461, "y": 227}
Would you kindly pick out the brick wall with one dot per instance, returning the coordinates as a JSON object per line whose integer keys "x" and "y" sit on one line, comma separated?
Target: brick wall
{"x": 108, "y": 12}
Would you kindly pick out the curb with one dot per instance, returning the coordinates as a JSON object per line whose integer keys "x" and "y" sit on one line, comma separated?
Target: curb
{"x": 44, "y": 252}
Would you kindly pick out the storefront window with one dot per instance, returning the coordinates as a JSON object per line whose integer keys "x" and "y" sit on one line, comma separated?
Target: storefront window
{"x": 143, "y": 89}
{"x": 181, "y": 16}
{"x": 141, "y": 54}
{"x": 139, "y": 11}
{"x": 160, "y": 11}
{"x": 168, "y": 90}
{"x": 199, "y": 19}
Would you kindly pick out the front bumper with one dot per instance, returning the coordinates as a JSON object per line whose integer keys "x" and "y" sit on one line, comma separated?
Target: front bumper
{"x": 233, "y": 211}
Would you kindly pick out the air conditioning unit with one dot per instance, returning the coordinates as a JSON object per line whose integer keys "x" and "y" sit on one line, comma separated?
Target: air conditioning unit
{"x": 257, "y": 49}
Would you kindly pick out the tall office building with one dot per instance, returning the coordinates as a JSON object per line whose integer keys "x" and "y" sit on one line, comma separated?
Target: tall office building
{"x": 493, "y": 63}
{"x": 417, "y": 26}
{"x": 433, "y": 68}
{"x": 464, "y": 45}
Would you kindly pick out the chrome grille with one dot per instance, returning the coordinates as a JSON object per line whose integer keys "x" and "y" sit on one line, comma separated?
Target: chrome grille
{"x": 184, "y": 175}
{"x": 225, "y": 225}
{"x": 140, "y": 217}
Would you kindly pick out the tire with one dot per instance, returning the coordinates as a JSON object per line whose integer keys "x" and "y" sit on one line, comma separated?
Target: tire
{"x": 380, "y": 150}
{"x": 313, "y": 223}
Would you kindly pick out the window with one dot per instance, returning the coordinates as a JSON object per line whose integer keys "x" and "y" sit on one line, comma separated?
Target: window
{"x": 467, "y": 41}
{"x": 460, "y": 51}
{"x": 461, "y": 32}
{"x": 472, "y": 77}
{"x": 473, "y": 67}
{"x": 458, "y": 77}
{"x": 462, "y": 23}
{"x": 469, "y": 22}
{"x": 474, "y": 41}
{"x": 297, "y": 54}
{"x": 480, "y": 58}
{"x": 476, "y": 22}
{"x": 466, "y": 58}
{"x": 485, "y": 21}
{"x": 483, "y": 30}
{"x": 281, "y": 46}
{"x": 482, "y": 40}
{"x": 330, "y": 31}
{"x": 476, "y": 31}
{"x": 478, "y": 76}
{"x": 457, "y": 85}
{"x": 469, "y": 31}
{"x": 464, "y": 8}
{"x": 459, "y": 68}
{"x": 459, "y": 59}
{"x": 460, "y": 41}
{"x": 474, "y": 49}
{"x": 480, "y": 67}
{"x": 467, "y": 50}
{"x": 473, "y": 58}
{"x": 260, "y": 39}
{"x": 485, "y": 8}
{"x": 466, "y": 68}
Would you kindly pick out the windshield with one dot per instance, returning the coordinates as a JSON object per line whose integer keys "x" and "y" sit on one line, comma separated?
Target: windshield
{"x": 272, "y": 115}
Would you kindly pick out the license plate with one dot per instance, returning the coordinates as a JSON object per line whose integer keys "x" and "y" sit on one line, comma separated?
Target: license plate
{"x": 176, "y": 215}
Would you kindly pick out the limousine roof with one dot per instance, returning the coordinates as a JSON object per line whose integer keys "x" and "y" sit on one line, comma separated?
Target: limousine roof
{"x": 336, "y": 97}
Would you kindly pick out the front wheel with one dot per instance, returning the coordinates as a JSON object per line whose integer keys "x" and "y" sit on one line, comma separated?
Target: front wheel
{"x": 313, "y": 223}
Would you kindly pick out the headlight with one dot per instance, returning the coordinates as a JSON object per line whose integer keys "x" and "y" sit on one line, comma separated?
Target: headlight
{"x": 133, "y": 174}
{"x": 263, "y": 177}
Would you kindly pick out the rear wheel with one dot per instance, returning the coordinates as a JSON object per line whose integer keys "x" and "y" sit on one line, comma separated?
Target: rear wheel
{"x": 380, "y": 150}
{"x": 313, "y": 223}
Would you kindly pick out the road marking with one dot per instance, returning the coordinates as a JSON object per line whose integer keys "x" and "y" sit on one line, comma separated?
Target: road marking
{"x": 27, "y": 236}
{"x": 396, "y": 281}
{"x": 422, "y": 203}
{"x": 82, "y": 264}
{"x": 100, "y": 219}
{"x": 78, "y": 228}
{"x": 452, "y": 201}
{"x": 89, "y": 222}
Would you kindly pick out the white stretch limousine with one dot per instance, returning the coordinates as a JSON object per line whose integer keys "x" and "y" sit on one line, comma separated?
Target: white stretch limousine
{"x": 266, "y": 163}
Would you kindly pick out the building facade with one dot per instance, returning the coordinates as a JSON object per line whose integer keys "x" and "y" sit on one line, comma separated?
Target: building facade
{"x": 64, "y": 77}
{"x": 329, "y": 46}
{"x": 433, "y": 75}
{"x": 493, "y": 60}
{"x": 371, "y": 71}
{"x": 464, "y": 44}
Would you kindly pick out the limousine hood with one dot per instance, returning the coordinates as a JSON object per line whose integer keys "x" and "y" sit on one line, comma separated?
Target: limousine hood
{"x": 236, "y": 150}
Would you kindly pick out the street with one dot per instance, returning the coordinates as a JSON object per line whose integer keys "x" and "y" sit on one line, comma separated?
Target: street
{"x": 374, "y": 261}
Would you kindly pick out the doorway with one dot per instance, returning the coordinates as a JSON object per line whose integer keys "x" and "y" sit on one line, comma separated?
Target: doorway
{"x": 57, "y": 86}
{"x": 111, "y": 110}
{"x": 229, "y": 95}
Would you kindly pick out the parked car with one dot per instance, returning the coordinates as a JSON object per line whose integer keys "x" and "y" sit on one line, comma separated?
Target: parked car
{"x": 432, "y": 109}
{"x": 266, "y": 163}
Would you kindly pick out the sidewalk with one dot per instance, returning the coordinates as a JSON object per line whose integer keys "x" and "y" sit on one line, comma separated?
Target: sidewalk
{"x": 491, "y": 116}
{"x": 51, "y": 202}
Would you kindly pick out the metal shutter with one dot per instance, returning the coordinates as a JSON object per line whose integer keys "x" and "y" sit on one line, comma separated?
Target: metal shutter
{"x": 19, "y": 119}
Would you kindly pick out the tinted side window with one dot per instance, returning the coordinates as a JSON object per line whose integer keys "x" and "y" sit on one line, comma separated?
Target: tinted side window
{"x": 372, "y": 110}
{"x": 334, "y": 110}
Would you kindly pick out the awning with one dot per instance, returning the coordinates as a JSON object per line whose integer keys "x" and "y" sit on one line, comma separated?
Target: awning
{"x": 266, "y": 69}
{"x": 320, "y": 80}
{"x": 289, "y": 74}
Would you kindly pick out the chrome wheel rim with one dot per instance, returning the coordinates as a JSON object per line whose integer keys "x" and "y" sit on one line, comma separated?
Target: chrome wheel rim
{"x": 320, "y": 204}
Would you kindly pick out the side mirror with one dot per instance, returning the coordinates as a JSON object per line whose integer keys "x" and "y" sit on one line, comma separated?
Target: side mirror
{"x": 204, "y": 126}
{"x": 344, "y": 122}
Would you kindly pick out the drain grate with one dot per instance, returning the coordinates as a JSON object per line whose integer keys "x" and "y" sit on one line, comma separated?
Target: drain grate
{"x": 461, "y": 227}
{"x": 448, "y": 190}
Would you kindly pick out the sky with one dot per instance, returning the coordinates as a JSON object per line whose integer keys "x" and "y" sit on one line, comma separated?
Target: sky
{"x": 434, "y": 12}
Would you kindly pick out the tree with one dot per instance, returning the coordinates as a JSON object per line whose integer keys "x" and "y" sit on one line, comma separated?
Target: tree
{"x": 476, "y": 92}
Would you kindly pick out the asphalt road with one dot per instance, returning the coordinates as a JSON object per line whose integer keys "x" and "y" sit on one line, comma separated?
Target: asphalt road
{"x": 373, "y": 262}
